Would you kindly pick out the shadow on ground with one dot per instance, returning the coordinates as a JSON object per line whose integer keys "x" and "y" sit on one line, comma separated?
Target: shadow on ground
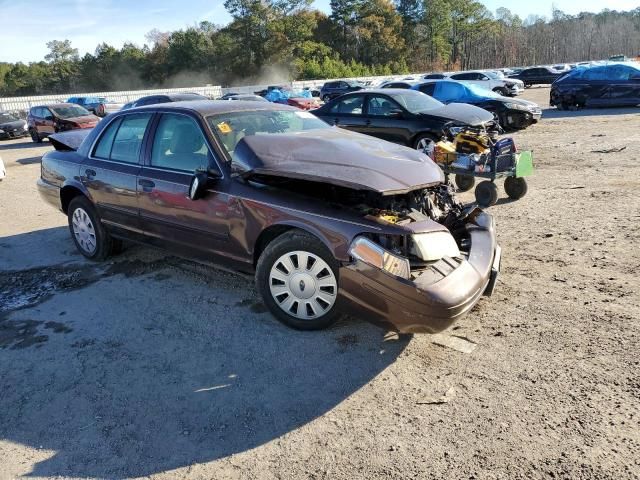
{"x": 551, "y": 113}
{"x": 151, "y": 365}
{"x": 26, "y": 143}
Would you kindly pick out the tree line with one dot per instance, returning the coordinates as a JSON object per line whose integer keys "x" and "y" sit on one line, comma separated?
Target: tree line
{"x": 277, "y": 40}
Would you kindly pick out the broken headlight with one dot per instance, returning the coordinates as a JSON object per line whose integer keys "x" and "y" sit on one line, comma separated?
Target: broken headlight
{"x": 433, "y": 246}
{"x": 373, "y": 254}
{"x": 516, "y": 106}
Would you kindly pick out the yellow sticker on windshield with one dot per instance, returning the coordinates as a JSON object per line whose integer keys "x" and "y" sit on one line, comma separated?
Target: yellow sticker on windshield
{"x": 224, "y": 127}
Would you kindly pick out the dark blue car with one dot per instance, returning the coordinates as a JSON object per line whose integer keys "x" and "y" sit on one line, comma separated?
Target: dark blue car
{"x": 613, "y": 85}
{"x": 511, "y": 113}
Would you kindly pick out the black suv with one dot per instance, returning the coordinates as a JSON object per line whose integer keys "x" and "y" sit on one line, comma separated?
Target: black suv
{"x": 171, "y": 97}
{"x": 331, "y": 90}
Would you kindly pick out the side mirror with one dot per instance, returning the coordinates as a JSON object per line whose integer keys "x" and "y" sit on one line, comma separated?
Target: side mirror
{"x": 396, "y": 113}
{"x": 49, "y": 117}
{"x": 200, "y": 182}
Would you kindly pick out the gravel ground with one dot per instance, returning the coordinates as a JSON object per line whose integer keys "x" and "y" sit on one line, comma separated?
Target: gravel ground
{"x": 151, "y": 366}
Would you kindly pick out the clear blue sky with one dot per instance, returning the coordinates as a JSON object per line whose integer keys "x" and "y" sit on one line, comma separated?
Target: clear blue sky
{"x": 28, "y": 25}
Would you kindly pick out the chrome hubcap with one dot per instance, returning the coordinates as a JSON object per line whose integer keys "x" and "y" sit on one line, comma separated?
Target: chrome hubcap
{"x": 425, "y": 145}
{"x": 83, "y": 230}
{"x": 303, "y": 285}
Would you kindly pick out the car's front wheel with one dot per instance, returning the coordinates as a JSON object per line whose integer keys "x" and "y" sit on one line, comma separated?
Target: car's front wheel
{"x": 424, "y": 142}
{"x": 88, "y": 233}
{"x": 35, "y": 136}
{"x": 297, "y": 277}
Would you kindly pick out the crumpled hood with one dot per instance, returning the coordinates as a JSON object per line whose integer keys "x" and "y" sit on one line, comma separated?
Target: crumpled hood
{"x": 462, "y": 113}
{"x": 518, "y": 101}
{"x": 338, "y": 157}
{"x": 84, "y": 120}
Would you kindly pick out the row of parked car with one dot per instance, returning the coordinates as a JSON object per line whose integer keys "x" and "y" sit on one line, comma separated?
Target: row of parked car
{"x": 596, "y": 85}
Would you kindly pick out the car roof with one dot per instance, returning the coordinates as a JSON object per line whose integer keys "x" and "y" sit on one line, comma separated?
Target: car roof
{"x": 212, "y": 107}
{"x": 62, "y": 104}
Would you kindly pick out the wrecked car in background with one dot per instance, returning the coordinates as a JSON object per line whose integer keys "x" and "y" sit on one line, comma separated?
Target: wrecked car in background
{"x": 511, "y": 113}
{"x": 45, "y": 120}
{"x": 402, "y": 116}
{"x": 614, "y": 85}
{"x": 328, "y": 220}
{"x": 302, "y": 99}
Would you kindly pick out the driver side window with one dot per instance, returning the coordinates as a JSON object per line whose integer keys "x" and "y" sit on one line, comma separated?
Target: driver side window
{"x": 179, "y": 144}
{"x": 381, "y": 106}
{"x": 349, "y": 105}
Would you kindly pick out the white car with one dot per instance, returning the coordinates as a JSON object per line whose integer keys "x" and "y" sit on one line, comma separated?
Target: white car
{"x": 3, "y": 171}
{"x": 508, "y": 87}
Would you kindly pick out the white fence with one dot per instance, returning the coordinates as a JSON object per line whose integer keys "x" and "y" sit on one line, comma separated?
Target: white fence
{"x": 18, "y": 104}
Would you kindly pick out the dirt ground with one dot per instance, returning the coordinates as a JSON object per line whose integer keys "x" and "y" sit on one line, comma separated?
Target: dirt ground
{"x": 151, "y": 366}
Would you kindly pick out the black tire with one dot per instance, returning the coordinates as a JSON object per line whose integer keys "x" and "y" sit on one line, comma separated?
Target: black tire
{"x": 515, "y": 187}
{"x": 292, "y": 241}
{"x": 421, "y": 137}
{"x": 35, "y": 136}
{"x": 326, "y": 99}
{"x": 104, "y": 244}
{"x": 486, "y": 194}
{"x": 501, "y": 91}
{"x": 464, "y": 182}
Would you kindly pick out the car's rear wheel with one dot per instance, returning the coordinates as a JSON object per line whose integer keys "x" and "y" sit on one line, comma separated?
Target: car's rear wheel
{"x": 297, "y": 277}
{"x": 88, "y": 233}
{"x": 35, "y": 136}
{"x": 501, "y": 91}
{"x": 326, "y": 98}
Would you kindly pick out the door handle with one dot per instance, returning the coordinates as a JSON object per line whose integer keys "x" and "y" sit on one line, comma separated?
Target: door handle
{"x": 336, "y": 121}
{"x": 90, "y": 173}
{"x": 146, "y": 185}
{"x": 368, "y": 122}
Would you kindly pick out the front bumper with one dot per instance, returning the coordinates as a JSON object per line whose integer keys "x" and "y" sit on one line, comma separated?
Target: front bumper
{"x": 17, "y": 133}
{"x": 515, "y": 89}
{"x": 437, "y": 296}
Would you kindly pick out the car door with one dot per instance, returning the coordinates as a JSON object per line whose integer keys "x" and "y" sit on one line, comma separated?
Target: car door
{"x": 167, "y": 214}
{"x": 623, "y": 88}
{"x": 596, "y": 90}
{"x": 46, "y": 123}
{"x": 386, "y": 119}
{"x": 347, "y": 112}
{"x": 110, "y": 172}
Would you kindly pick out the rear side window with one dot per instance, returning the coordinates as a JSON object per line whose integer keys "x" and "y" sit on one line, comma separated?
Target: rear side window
{"x": 122, "y": 140}
{"x": 179, "y": 144}
{"x": 449, "y": 91}
{"x": 599, "y": 73}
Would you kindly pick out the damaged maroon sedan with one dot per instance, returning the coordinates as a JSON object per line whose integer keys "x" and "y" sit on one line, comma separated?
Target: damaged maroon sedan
{"x": 328, "y": 220}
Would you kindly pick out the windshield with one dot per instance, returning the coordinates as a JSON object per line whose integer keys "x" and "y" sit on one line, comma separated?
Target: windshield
{"x": 232, "y": 127}
{"x": 495, "y": 75}
{"x": 5, "y": 117}
{"x": 70, "y": 111}
{"x": 356, "y": 84}
{"x": 478, "y": 91}
{"x": 416, "y": 102}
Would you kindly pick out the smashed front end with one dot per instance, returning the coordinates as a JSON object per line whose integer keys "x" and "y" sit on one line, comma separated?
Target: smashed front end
{"x": 426, "y": 278}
